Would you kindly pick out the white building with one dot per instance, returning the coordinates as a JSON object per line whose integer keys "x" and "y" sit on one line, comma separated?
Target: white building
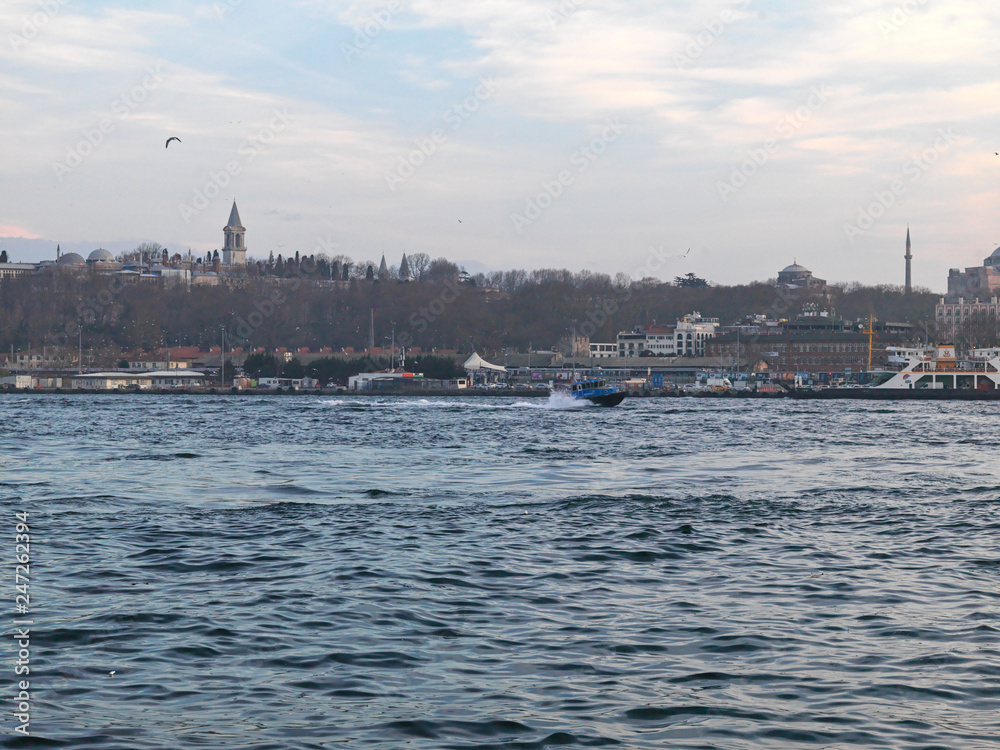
{"x": 295, "y": 384}
{"x": 112, "y": 381}
{"x": 603, "y": 351}
{"x": 691, "y": 333}
{"x": 363, "y": 380}
{"x": 656, "y": 341}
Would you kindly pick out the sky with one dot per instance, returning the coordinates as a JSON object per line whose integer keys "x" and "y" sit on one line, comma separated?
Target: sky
{"x": 610, "y": 136}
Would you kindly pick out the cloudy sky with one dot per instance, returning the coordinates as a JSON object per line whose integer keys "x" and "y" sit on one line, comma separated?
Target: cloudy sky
{"x": 511, "y": 133}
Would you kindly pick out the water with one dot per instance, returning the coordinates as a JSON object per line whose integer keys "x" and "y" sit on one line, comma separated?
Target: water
{"x": 317, "y": 572}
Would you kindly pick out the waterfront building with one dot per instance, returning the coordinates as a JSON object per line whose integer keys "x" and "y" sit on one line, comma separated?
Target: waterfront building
{"x": 116, "y": 380}
{"x": 831, "y": 353}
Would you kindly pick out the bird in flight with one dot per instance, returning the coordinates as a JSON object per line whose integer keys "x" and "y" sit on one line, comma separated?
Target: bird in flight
{"x": 459, "y": 221}
{"x": 685, "y": 254}
{"x": 171, "y": 138}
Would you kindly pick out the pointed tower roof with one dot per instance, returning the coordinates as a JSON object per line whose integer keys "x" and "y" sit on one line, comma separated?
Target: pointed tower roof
{"x": 404, "y": 268}
{"x": 383, "y": 269}
{"x": 907, "y": 239}
{"x": 234, "y": 219}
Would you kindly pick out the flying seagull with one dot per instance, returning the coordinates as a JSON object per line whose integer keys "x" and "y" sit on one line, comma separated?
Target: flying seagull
{"x": 172, "y": 138}
{"x": 685, "y": 254}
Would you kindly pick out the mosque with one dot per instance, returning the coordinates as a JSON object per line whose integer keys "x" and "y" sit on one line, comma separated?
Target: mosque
{"x": 800, "y": 277}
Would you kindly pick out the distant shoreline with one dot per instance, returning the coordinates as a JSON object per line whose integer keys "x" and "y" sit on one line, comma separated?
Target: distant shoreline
{"x": 457, "y": 393}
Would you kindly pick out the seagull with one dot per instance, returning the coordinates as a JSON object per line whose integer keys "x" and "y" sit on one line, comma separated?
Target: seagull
{"x": 171, "y": 138}
{"x": 685, "y": 254}
{"x": 459, "y": 221}
{"x": 112, "y": 673}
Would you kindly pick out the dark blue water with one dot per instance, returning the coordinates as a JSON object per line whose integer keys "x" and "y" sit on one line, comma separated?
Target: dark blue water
{"x": 312, "y": 572}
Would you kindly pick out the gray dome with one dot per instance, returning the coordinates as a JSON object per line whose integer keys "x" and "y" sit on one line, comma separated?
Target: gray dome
{"x": 100, "y": 255}
{"x": 795, "y": 268}
{"x": 72, "y": 259}
{"x": 994, "y": 259}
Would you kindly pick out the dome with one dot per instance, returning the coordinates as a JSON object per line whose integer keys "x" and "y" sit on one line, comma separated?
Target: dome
{"x": 795, "y": 268}
{"x": 994, "y": 259}
{"x": 72, "y": 259}
{"x": 100, "y": 255}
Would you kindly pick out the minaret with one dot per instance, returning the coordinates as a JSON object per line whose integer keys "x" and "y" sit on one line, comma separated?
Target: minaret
{"x": 234, "y": 252}
{"x": 909, "y": 257}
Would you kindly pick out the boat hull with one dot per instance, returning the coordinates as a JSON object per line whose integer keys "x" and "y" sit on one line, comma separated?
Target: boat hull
{"x": 898, "y": 394}
{"x": 606, "y": 399}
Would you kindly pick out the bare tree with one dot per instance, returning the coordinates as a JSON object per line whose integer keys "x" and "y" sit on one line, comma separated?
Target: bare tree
{"x": 419, "y": 263}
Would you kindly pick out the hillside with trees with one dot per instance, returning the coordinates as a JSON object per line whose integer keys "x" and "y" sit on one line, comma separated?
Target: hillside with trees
{"x": 302, "y": 303}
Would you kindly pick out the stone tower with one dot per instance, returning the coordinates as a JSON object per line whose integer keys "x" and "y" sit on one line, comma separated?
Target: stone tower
{"x": 909, "y": 257}
{"x": 234, "y": 252}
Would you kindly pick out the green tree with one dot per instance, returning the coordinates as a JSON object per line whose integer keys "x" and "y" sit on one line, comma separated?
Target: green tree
{"x": 293, "y": 369}
{"x": 261, "y": 366}
{"x": 690, "y": 280}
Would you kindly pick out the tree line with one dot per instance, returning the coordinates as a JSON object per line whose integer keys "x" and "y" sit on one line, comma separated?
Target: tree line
{"x": 443, "y": 309}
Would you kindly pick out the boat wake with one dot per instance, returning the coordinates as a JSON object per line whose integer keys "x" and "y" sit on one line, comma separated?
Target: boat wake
{"x": 557, "y": 401}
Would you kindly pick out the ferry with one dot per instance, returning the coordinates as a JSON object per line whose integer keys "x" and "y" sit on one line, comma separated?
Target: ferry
{"x": 595, "y": 390}
{"x": 934, "y": 373}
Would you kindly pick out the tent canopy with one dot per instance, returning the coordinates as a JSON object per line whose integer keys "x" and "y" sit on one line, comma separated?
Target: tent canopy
{"x": 475, "y": 363}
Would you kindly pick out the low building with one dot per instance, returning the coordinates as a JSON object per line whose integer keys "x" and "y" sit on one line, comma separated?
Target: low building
{"x": 294, "y": 384}
{"x": 959, "y": 310}
{"x": 603, "y": 351}
{"x": 11, "y": 270}
{"x": 16, "y": 381}
{"x": 785, "y": 355}
{"x": 48, "y": 358}
{"x": 366, "y": 381}
{"x": 116, "y": 380}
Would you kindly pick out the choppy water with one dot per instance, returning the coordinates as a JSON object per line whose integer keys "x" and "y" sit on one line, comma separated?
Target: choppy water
{"x": 316, "y": 572}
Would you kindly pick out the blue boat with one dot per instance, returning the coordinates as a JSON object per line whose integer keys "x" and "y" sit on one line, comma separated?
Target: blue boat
{"x": 595, "y": 390}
